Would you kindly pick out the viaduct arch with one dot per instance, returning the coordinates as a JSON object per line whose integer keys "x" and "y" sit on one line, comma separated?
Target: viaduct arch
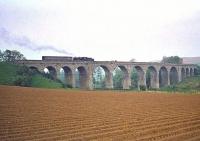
{"x": 160, "y": 74}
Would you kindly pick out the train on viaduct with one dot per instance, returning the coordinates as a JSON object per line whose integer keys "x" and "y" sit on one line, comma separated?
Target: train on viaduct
{"x": 161, "y": 74}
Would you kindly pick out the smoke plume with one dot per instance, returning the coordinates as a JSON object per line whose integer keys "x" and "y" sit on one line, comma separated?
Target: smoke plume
{"x": 25, "y": 42}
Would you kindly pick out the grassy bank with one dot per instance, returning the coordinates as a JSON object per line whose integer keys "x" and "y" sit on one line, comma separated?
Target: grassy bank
{"x": 191, "y": 84}
{"x": 8, "y": 75}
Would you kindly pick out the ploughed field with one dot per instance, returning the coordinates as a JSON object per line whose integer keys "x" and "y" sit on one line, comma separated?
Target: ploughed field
{"x": 44, "y": 114}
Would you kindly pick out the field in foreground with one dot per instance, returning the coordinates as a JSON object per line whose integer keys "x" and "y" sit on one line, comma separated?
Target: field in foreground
{"x": 43, "y": 114}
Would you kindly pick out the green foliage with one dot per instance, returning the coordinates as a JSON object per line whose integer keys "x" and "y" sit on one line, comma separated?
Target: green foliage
{"x": 7, "y": 73}
{"x": 99, "y": 78}
{"x": 191, "y": 84}
{"x": 197, "y": 70}
{"x": 148, "y": 78}
{"x": 134, "y": 79}
{"x": 118, "y": 79}
{"x": 171, "y": 88}
{"x": 42, "y": 82}
{"x": 142, "y": 87}
{"x": 1, "y": 56}
{"x": 11, "y": 56}
{"x": 77, "y": 78}
{"x": 22, "y": 80}
{"x": 11, "y": 74}
{"x": 23, "y": 77}
{"x": 172, "y": 60}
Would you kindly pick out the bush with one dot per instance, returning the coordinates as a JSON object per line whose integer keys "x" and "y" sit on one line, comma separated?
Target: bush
{"x": 69, "y": 86}
{"x": 24, "y": 76}
{"x": 153, "y": 89}
{"x": 22, "y": 80}
{"x": 142, "y": 87}
{"x": 48, "y": 75}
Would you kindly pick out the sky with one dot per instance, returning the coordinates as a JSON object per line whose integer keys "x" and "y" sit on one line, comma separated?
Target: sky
{"x": 144, "y": 30}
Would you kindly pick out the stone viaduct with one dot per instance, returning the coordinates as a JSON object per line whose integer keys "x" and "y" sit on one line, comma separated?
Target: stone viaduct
{"x": 162, "y": 74}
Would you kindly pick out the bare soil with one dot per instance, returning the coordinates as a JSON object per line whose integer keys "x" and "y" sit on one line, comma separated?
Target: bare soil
{"x": 46, "y": 114}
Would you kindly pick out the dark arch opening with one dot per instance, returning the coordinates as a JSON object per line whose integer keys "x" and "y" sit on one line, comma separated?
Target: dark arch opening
{"x": 191, "y": 72}
{"x": 195, "y": 71}
{"x": 50, "y": 72}
{"x": 66, "y": 76}
{"x": 173, "y": 76}
{"x": 187, "y": 72}
{"x": 81, "y": 77}
{"x": 140, "y": 77}
{"x": 34, "y": 69}
{"x": 163, "y": 77}
{"x": 183, "y": 74}
{"x": 151, "y": 77}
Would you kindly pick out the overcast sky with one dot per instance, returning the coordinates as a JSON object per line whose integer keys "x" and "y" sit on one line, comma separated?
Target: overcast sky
{"x": 103, "y": 29}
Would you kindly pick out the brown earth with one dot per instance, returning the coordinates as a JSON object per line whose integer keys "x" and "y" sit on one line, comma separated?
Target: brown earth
{"x": 44, "y": 114}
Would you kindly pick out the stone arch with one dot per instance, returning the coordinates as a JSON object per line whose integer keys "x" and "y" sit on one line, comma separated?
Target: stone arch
{"x": 191, "y": 72}
{"x": 163, "y": 77}
{"x": 173, "y": 76}
{"x": 68, "y": 76}
{"x": 152, "y": 80}
{"x": 141, "y": 77}
{"x": 108, "y": 76}
{"x": 82, "y": 77}
{"x": 187, "y": 72}
{"x": 52, "y": 71}
{"x": 183, "y": 74}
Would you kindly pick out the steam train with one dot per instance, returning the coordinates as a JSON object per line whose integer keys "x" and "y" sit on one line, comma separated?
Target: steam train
{"x": 66, "y": 58}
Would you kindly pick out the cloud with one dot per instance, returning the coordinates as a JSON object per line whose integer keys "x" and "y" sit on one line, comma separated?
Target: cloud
{"x": 25, "y": 42}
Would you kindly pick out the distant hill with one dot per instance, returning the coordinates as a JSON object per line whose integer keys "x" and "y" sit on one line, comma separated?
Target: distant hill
{"x": 191, "y": 60}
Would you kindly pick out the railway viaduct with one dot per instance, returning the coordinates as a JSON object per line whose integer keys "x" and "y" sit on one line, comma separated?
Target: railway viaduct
{"x": 161, "y": 74}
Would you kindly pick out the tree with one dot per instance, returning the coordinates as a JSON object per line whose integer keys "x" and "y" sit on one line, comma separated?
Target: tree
{"x": 148, "y": 78}
{"x": 24, "y": 76}
{"x": 118, "y": 78}
{"x": 1, "y": 56}
{"x": 99, "y": 78}
{"x": 197, "y": 70}
{"x": 11, "y": 56}
{"x": 134, "y": 79}
{"x": 172, "y": 60}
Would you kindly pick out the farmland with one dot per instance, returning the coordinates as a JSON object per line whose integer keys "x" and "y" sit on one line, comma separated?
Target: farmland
{"x": 44, "y": 114}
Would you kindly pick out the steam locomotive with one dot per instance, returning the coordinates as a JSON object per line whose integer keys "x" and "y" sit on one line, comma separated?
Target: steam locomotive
{"x": 66, "y": 58}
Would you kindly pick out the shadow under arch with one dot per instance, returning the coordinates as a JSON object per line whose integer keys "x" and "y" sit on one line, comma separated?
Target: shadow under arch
{"x": 81, "y": 77}
{"x": 191, "y": 72}
{"x": 67, "y": 76}
{"x": 187, "y": 72}
{"x": 140, "y": 76}
{"x": 183, "y": 74}
{"x": 151, "y": 77}
{"x": 163, "y": 77}
{"x": 34, "y": 69}
{"x": 173, "y": 76}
